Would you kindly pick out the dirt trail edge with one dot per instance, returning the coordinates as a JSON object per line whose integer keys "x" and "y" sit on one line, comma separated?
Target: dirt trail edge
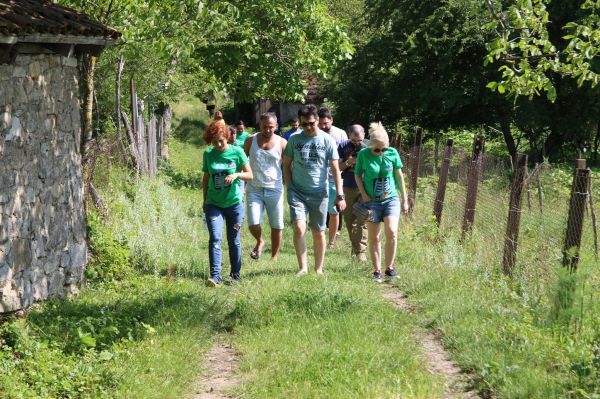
{"x": 220, "y": 373}
{"x": 438, "y": 360}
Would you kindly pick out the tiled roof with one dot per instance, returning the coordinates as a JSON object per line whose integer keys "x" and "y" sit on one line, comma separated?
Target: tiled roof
{"x": 28, "y": 17}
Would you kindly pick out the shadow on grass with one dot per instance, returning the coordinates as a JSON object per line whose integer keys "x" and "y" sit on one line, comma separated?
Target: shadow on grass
{"x": 78, "y": 326}
{"x": 190, "y": 131}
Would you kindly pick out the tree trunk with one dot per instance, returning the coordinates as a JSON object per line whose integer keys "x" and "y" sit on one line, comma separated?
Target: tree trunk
{"x": 436, "y": 154}
{"x": 167, "y": 114}
{"x": 554, "y": 143}
{"x": 88, "y": 67}
{"x": 509, "y": 139}
{"x": 596, "y": 145}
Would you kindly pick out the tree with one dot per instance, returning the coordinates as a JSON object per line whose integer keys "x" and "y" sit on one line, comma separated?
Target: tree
{"x": 537, "y": 42}
{"x": 551, "y": 48}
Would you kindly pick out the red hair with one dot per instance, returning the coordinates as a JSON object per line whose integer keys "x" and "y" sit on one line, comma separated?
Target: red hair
{"x": 216, "y": 130}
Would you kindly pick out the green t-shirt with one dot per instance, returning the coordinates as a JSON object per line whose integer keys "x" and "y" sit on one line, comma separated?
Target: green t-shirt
{"x": 379, "y": 185}
{"x": 218, "y": 165}
{"x": 241, "y": 138}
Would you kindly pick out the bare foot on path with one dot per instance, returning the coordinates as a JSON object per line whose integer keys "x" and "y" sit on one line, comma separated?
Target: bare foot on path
{"x": 219, "y": 377}
{"x": 438, "y": 360}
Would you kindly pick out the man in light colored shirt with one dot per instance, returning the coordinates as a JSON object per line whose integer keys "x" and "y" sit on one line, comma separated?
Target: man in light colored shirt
{"x": 265, "y": 192}
{"x": 339, "y": 136}
{"x": 306, "y": 160}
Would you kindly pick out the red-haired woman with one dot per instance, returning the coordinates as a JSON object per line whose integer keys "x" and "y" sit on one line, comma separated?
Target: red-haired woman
{"x": 224, "y": 165}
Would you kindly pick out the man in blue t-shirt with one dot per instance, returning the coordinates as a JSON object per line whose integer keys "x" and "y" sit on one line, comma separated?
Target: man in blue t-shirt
{"x": 295, "y": 129}
{"x": 347, "y": 151}
{"x": 306, "y": 159}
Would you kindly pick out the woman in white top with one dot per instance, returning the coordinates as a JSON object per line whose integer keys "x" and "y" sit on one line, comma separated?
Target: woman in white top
{"x": 265, "y": 151}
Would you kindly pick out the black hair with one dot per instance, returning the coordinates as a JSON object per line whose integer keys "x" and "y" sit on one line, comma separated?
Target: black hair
{"x": 240, "y": 123}
{"x": 307, "y": 110}
{"x": 325, "y": 113}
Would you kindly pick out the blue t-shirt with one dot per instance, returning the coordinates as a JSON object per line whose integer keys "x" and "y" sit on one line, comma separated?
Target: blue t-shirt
{"x": 290, "y": 133}
{"x": 310, "y": 159}
{"x": 345, "y": 149}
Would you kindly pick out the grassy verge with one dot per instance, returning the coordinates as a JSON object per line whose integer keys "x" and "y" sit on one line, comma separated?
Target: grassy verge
{"x": 140, "y": 328}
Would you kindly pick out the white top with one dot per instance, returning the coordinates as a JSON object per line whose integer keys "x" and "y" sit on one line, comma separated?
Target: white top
{"x": 266, "y": 165}
{"x": 338, "y": 134}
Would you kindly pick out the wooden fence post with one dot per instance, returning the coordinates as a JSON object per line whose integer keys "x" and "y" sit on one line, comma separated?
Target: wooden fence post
{"x": 577, "y": 206}
{"x": 472, "y": 185}
{"x": 414, "y": 169}
{"x": 514, "y": 215}
{"x": 142, "y": 146}
{"x": 438, "y": 205}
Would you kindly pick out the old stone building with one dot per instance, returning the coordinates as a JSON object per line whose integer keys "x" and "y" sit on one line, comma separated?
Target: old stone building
{"x": 43, "y": 249}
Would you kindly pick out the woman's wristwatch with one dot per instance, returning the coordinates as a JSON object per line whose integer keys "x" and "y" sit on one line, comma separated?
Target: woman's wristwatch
{"x": 340, "y": 197}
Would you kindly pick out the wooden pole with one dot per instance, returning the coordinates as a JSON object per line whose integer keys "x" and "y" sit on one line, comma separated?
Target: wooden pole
{"x": 472, "y": 185}
{"x": 134, "y": 109}
{"x": 438, "y": 205}
{"x": 135, "y": 155}
{"x": 414, "y": 169}
{"x": 593, "y": 214}
{"x": 577, "y": 205}
{"x": 539, "y": 186}
{"x": 514, "y": 215}
{"x": 120, "y": 67}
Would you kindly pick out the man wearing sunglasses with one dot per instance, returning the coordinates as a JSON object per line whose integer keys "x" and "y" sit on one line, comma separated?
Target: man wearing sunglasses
{"x": 306, "y": 160}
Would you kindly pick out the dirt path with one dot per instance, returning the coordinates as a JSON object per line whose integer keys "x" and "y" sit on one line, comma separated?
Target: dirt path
{"x": 220, "y": 375}
{"x": 438, "y": 360}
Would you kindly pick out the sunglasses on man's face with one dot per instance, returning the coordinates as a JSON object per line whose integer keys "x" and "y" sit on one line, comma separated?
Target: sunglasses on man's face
{"x": 306, "y": 124}
{"x": 380, "y": 150}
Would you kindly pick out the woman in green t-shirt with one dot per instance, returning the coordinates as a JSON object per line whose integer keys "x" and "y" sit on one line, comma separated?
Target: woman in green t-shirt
{"x": 223, "y": 165}
{"x": 379, "y": 176}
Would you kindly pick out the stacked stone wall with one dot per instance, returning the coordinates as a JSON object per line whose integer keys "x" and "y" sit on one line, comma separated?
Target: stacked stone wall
{"x": 42, "y": 222}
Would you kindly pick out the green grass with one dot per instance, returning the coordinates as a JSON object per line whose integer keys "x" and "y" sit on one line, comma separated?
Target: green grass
{"x": 144, "y": 335}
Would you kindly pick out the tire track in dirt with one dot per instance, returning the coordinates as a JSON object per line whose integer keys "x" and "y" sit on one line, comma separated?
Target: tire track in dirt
{"x": 220, "y": 375}
{"x": 438, "y": 360}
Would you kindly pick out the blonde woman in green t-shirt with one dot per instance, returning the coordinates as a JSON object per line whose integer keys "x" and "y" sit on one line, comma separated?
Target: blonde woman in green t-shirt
{"x": 379, "y": 176}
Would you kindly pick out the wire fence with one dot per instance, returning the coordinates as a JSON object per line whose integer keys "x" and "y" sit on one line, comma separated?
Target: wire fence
{"x": 528, "y": 217}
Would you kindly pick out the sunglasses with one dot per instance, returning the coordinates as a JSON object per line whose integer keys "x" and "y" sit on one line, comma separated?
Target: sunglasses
{"x": 306, "y": 124}
{"x": 380, "y": 150}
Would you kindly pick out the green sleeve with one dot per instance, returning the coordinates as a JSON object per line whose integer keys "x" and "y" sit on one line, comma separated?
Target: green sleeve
{"x": 397, "y": 161}
{"x": 358, "y": 167}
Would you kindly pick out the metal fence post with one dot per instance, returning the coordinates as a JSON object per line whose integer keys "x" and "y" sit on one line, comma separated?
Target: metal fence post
{"x": 438, "y": 205}
{"x": 514, "y": 215}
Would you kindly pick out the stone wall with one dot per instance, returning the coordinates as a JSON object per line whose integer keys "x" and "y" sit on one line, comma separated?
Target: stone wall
{"x": 42, "y": 223}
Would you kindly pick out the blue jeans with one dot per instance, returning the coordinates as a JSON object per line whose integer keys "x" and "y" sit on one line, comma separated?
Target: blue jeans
{"x": 233, "y": 216}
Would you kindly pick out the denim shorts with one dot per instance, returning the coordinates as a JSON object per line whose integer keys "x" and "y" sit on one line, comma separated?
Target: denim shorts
{"x": 259, "y": 199}
{"x": 387, "y": 207}
{"x": 313, "y": 205}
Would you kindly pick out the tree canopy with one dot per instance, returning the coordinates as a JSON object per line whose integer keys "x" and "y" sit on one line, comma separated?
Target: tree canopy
{"x": 251, "y": 49}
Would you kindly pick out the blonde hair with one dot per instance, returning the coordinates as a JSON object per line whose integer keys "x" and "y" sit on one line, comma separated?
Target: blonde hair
{"x": 377, "y": 133}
